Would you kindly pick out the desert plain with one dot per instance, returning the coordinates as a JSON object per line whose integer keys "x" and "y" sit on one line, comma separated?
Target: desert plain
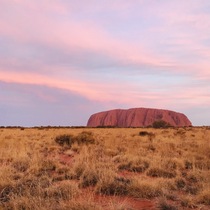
{"x": 104, "y": 168}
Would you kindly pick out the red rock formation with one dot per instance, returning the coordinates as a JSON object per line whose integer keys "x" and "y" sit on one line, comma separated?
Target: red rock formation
{"x": 137, "y": 117}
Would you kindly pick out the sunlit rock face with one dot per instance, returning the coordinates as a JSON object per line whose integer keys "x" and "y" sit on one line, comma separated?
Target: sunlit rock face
{"x": 137, "y": 117}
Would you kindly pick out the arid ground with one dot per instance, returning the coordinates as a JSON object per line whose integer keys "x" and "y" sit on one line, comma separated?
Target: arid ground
{"x": 104, "y": 168}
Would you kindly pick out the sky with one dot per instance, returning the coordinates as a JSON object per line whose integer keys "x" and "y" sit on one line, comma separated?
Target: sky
{"x": 63, "y": 60}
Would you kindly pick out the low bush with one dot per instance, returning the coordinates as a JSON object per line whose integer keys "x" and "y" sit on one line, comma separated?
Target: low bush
{"x": 84, "y": 137}
{"x": 136, "y": 165}
{"x": 47, "y": 166}
{"x": 188, "y": 164}
{"x": 161, "y": 124}
{"x": 193, "y": 189}
{"x": 180, "y": 183}
{"x": 63, "y": 191}
{"x": 5, "y": 193}
{"x": 159, "y": 172}
{"x": 88, "y": 178}
{"x": 188, "y": 201}
{"x": 21, "y": 165}
{"x": 82, "y": 204}
{"x": 164, "y": 205}
{"x": 204, "y": 197}
{"x": 64, "y": 139}
{"x": 144, "y": 189}
{"x": 144, "y": 133}
{"x": 113, "y": 186}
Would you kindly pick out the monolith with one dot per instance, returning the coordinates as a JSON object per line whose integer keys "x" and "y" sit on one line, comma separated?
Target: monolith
{"x": 137, "y": 117}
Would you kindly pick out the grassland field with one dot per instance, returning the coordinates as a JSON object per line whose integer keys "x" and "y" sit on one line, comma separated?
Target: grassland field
{"x": 104, "y": 168}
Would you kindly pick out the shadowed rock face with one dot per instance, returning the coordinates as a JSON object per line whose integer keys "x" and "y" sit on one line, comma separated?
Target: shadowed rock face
{"x": 137, "y": 117}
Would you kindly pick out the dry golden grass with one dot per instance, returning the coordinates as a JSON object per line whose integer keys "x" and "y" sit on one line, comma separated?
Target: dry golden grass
{"x": 66, "y": 168}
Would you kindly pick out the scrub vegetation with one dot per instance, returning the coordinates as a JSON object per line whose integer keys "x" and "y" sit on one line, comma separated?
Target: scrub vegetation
{"x": 104, "y": 168}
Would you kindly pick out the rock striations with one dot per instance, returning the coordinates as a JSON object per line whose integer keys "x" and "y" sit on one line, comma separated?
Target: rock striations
{"x": 137, "y": 117}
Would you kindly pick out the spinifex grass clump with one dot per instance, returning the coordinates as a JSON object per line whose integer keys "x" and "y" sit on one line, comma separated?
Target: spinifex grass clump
{"x": 145, "y": 189}
{"x": 133, "y": 164}
{"x": 113, "y": 186}
{"x": 88, "y": 178}
{"x": 204, "y": 197}
{"x": 159, "y": 172}
{"x": 161, "y": 124}
{"x": 164, "y": 205}
{"x": 84, "y": 137}
{"x": 144, "y": 133}
{"x": 64, "y": 139}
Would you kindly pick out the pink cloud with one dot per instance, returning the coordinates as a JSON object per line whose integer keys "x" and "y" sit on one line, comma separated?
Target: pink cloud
{"x": 36, "y": 23}
{"x": 93, "y": 91}
{"x": 68, "y": 34}
{"x": 116, "y": 92}
{"x": 71, "y": 34}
